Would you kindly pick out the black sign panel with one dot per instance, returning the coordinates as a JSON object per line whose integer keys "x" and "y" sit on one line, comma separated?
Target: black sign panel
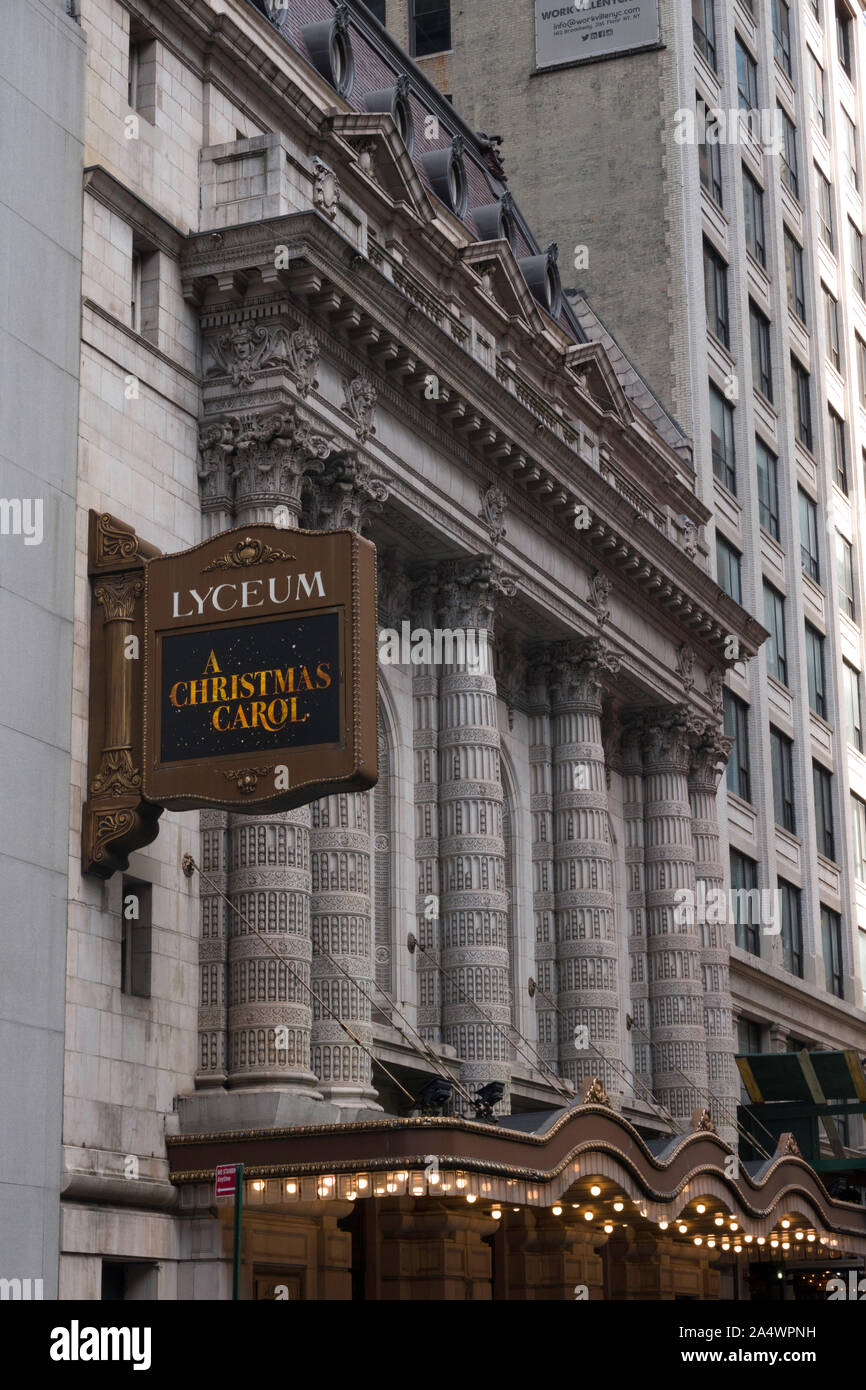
{"x": 258, "y": 686}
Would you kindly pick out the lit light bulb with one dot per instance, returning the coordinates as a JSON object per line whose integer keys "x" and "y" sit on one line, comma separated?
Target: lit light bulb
{"x": 588, "y": 1215}
{"x": 700, "y": 1208}
{"x": 718, "y": 1220}
{"x": 291, "y": 1188}
{"x": 461, "y": 1182}
{"x": 608, "y": 1228}
{"x": 738, "y": 1249}
{"x": 699, "y": 1240}
{"x": 557, "y": 1210}
{"x": 362, "y": 1182}
{"x": 762, "y": 1240}
{"x": 774, "y": 1244}
{"x": 748, "y": 1239}
{"x": 682, "y": 1228}
{"x": 711, "y": 1244}
{"x": 257, "y": 1186}
{"x": 595, "y": 1190}
{"x": 618, "y": 1206}
{"x": 810, "y": 1237}
{"x": 798, "y": 1235}
{"x": 785, "y": 1224}
{"x": 496, "y": 1214}
{"x": 733, "y": 1225}
{"x": 663, "y": 1225}
{"x": 470, "y": 1197}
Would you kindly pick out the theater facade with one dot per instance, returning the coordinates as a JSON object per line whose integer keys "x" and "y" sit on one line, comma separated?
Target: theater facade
{"x": 501, "y": 1065}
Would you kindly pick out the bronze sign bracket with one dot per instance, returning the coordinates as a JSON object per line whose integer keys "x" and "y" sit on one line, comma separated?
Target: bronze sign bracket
{"x": 116, "y": 819}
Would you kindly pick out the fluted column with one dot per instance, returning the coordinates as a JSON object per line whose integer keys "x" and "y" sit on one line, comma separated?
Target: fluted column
{"x": 679, "y": 1039}
{"x": 341, "y": 848}
{"x": 474, "y": 903}
{"x": 425, "y": 698}
{"x": 541, "y": 809}
{"x": 707, "y": 762}
{"x": 253, "y": 469}
{"x": 636, "y": 915}
{"x": 586, "y": 951}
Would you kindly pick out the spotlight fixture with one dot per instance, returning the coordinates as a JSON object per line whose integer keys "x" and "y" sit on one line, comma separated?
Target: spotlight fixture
{"x": 485, "y": 1099}
{"x": 435, "y": 1095}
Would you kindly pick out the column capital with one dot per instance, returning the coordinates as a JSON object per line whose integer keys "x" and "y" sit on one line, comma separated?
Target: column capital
{"x": 667, "y": 737}
{"x": 708, "y": 758}
{"x": 578, "y": 671}
{"x": 349, "y": 495}
{"x": 260, "y": 459}
{"x": 470, "y": 590}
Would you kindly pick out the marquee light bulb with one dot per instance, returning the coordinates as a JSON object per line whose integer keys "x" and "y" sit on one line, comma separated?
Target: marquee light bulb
{"x": 595, "y": 1190}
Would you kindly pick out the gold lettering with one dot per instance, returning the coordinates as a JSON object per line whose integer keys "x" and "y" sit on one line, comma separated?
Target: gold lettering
{"x": 212, "y": 664}
{"x": 305, "y": 683}
{"x": 276, "y": 721}
{"x": 247, "y": 686}
{"x": 294, "y": 705}
{"x": 240, "y": 719}
{"x": 285, "y": 683}
{"x": 323, "y": 673}
{"x": 173, "y": 694}
{"x": 223, "y": 728}
{"x": 218, "y": 688}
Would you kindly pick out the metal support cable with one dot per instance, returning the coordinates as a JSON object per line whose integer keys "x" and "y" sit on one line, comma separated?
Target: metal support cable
{"x": 190, "y": 862}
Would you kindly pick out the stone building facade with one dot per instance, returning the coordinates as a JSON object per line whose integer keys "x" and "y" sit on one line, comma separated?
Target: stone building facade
{"x": 729, "y": 157}
{"x": 307, "y": 296}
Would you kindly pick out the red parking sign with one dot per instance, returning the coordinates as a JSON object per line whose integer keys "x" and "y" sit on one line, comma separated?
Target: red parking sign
{"x": 226, "y": 1180}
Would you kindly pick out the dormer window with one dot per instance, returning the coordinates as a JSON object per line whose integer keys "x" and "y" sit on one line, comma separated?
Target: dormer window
{"x": 329, "y": 45}
{"x": 395, "y": 100}
{"x": 447, "y": 174}
{"x": 495, "y": 221}
{"x": 541, "y": 274}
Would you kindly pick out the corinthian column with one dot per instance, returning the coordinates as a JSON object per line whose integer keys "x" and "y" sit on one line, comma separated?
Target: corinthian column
{"x": 588, "y": 991}
{"x": 474, "y": 904}
{"x": 257, "y": 465}
{"x": 342, "y": 863}
{"x": 708, "y": 760}
{"x": 676, "y": 1006}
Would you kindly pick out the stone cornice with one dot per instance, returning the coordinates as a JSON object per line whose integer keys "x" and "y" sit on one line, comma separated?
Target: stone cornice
{"x": 143, "y": 219}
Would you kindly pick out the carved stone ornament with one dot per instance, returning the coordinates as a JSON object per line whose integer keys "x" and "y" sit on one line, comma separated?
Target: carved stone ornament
{"x": 350, "y": 496}
{"x": 395, "y": 590}
{"x": 715, "y": 688}
{"x": 246, "y": 779}
{"x": 578, "y": 670}
{"x": 469, "y": 591}
{"x": 788, "y": 1145}
{"x": 326, "y": 188}
{"x": 360, "y": 403}
{"x": 690, "y": 536}
{"x": 686, "y": 666}
{"x": 594, "y": 1092}
{"x": 114, "y": 543}
{"x": 599, "y": 596}
{"x": 259, "y": 460}
{"x": 702, "y": 1122}
{"x": 493, "y": 507}
{"x": 246, "y": 553}
{"x": 249, "y": 348}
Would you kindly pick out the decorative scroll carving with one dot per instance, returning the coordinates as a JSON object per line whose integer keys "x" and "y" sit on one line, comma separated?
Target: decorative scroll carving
{"x": 360, "y": 403}
{"x": 114, "y": 541}
{"x": 578, "y": 670}
{"x": 493, "y": 507}
{"x": 715, "y": 688}
{"x": 599, "y": 595}
{"x": 709, "y": 756}
{"x": 246, "y": 553}
{"x": 690, "y": 534}
{"x": 251, "y": 461}
{"x": 246, "y": 779}
{"x": 594, "y": 1092}
{"x": 469, "y": 590}
{"x": 350, "y": 495}
{"x": 116, "y": 774}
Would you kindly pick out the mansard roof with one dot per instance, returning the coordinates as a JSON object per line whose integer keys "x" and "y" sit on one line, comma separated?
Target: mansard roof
{"x": 379, "y": 64}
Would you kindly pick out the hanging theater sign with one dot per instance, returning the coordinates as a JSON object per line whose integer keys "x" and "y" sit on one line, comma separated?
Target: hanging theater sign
{"x": 257, "y": 689}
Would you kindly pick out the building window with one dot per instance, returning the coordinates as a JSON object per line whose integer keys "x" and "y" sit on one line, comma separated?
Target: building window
{"x": 855, "y": 241}
{"x": 858, "y": 817}
{"x": 749, "y": 1042}
{"x": 822, "y": 786}
{"x": 782, "y": 762}
{"x": 747, "y": 78}
{"x": 815, "y": 671}
{"x": 135, "y": 293}
{"x": 716, "y": 291}
{"x": 802, "y": 403}
{"x": 753, "y": 207}
{"x": 429, "y": 27}
{"x": 774, "y": 621}
{"x": 722, "y": 432}
{"x": 852, "y": 683}
{"x": 844, "y": 39}
{"x": 768, "y": 489}
{"x": 782, "y": 35}
{"x": 824, "y": 203}
{"x": 728, "y": 568}
{"x": 789, "y": 155}
{"x": 710, "y": 166}
{"x": 831, "y": 328}
{"x": 838, "y": 452}
{"x": 736, "y": 725}
{"x": 704, "y": 29}
{"x": 795, "y": 276}
{"x": 861, "y": 369}
{"x": 792, "y": 929}
{"x": 845, "y": 577}
{"x": 135, "y": 938}
{"x": 809, "y": 536}
{"x": 746, "y": 900}
{"x": 849, "y": 140}
{"x": 816, "y": 94}
{"x": 831, "y": 943}
{"x": 759, "y": 328}
{"x": 141, "y": 73}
